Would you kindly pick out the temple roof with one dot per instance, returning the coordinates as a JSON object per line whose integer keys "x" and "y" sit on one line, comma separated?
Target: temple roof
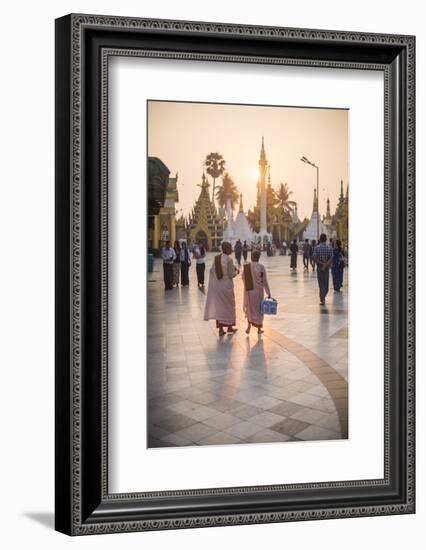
{"x": 204, "y": 210}
{"x": 158, "y": 179}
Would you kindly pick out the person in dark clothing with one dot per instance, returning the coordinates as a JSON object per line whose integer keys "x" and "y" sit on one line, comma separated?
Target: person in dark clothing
{"x": 306, "y": 254}
{"x": 238, "y": 249}
{"x": 245, "y": 250}
{"x": 176, "y": 264}
{"x": 312, "y": 261}
{"x": 294, "y": 249}
{"x": 337, "y": 266}
{"x": 185, "y": 262}
{"x": 323, "y": 256}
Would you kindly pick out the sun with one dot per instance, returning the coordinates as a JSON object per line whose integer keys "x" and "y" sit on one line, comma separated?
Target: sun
{"x": 254, "y": 175}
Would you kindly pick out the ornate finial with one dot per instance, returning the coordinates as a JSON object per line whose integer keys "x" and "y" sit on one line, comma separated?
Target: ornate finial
{"x": 241, "y": 203}
{"x": 204, "y": 182}
{"x": 269, "y": 174}
{"x": 341, "y": 189}
{"x": 328, "y": 214}
{"x": 315, "y": 205}
{"x": 262, "y": 153}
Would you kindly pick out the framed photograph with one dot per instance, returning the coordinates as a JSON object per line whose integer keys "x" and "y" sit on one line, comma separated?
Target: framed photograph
{"x": 234, "y": 274}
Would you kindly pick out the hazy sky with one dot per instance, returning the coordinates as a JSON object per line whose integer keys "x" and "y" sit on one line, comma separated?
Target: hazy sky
{"x": 182, "y": 134}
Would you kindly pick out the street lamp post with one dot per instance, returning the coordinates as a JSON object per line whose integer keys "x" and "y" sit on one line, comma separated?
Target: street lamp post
{"x": 307, "y": 161}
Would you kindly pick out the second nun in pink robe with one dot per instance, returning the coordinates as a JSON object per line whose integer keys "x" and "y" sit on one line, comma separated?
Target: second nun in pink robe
{"x": 255, "y": 286}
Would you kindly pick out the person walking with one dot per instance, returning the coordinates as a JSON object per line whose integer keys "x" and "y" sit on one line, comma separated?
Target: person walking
{"x": 200, "y": 263}
{"x": 176, "y": 264}
{"x": 285, "y": 248}
{"x": 220, "y": 302}
{"x": 238, "y": 249}
{"x": 312, "y": 261}
{"x": 185, "y": 262}
{"x": 306, "y": 248}
{"x": 255, "y": 285}
{"x": 337, "y": 266}
{"x": 294, "y": 249}
{"x": 323, "y": 256}
{"x": 168, "y": 255}
{"x": 245, "y": 251}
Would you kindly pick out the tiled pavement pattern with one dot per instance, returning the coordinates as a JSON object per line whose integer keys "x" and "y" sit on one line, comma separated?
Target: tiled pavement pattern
{"x": 289, "y": 385}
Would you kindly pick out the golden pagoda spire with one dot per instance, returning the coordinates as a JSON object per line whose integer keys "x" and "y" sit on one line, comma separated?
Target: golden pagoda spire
{"x": 262, "y": 152}
{"x": 241, "y": 203}
{"x": 315, "y": 204}
{"x": 328, "y": 214}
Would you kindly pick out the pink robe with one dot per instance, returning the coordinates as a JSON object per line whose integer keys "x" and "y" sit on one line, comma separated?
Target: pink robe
{"x": 220, "y": 302}
{"x": 253, "y": 298}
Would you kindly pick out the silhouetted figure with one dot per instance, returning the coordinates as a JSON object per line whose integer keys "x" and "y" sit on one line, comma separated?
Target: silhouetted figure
{"x": 294, "y": 249}
{"x": 323, "y": 256}
{"x": 238, "y": 249}
{"x": 185, "y": 262}
{"x": 306, "y": 254}
{"x": 245, "y": 250}
{"x": 176, "y": 264}
{"x": 312, "y": 261}
{"x": 337, "y": 266}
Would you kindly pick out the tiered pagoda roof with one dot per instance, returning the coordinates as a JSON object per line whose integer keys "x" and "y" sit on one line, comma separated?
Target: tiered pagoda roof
{"x": 204, "y": 219}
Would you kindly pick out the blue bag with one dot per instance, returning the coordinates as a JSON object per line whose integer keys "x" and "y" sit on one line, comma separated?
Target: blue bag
{"x": 269, "y": 306}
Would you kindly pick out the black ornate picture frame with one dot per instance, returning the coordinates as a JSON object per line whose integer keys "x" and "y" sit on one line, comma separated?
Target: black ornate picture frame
{"x": 84, "y": 44}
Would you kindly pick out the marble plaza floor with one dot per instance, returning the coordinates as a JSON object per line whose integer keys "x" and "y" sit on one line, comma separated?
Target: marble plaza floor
{"x": 289, "y": 385}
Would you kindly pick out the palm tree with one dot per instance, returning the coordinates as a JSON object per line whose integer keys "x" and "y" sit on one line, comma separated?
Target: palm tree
{"x": 285, "y": 206}
{"x": 271, "y": 203}
{"x": 215, "y": 167}
{"x": 228, "y": 190}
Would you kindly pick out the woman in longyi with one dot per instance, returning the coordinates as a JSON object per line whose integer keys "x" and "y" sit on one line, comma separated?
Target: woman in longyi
{"x": 255, "y": 285}
{"x": 220, "y": 302}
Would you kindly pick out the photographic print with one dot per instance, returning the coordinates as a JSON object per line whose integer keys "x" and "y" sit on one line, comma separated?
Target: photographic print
{"x": 207, "y": 276}
{"x": 248, "y": 274}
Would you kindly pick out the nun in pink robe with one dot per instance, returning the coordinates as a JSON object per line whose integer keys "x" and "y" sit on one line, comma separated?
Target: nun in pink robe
{"x": 255, "y": 286}
{"x": 220, "y": 302}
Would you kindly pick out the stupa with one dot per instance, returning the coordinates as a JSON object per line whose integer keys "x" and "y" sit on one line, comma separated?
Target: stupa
{"x": 238, "y": 228}
{"x": 315, "y": 223}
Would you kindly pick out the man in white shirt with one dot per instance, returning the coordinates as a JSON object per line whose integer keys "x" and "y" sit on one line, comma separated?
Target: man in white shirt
{"x": 168, "y": 255}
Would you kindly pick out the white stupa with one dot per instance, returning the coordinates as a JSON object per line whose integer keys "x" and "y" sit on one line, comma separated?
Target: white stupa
{"x": 315, "y": 223}
{"x": 238, "y": 228}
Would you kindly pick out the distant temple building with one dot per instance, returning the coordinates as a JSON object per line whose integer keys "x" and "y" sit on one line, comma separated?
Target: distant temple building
{"x": 164, "y": 223}
{"x": 204, "y": 224}
{"x": 341, "y": 216}
{"x": 328, "y": 221}
{"x": 315, "y": 226}
{"x": 334, "y": 226}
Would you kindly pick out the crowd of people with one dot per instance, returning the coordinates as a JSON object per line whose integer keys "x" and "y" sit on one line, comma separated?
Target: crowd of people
{"x": 177, "y": 261}
{"x": 220, "y": 302}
